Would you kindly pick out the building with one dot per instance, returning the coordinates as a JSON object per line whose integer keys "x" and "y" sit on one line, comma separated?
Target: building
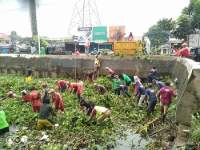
{"x": 4, "y": 38}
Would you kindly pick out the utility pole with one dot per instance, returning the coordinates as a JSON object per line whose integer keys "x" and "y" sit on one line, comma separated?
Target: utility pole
{"x": 33, "y": 17}
{"x": 83, "y": 13}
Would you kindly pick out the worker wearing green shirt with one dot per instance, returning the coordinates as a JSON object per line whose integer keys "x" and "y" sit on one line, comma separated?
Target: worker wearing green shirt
{"x": 125, "y": 78}
{"x": 116, "y": 82}
{"x": 4, "y": 127}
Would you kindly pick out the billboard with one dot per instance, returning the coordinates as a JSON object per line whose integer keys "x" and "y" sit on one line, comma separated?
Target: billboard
{"x": 116, "y": 33}
{"x": 99, "y": 34}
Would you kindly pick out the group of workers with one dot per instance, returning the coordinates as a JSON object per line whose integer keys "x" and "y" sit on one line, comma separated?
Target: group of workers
{"x": 146, "y": 95}
{"x": 42, "y": 101}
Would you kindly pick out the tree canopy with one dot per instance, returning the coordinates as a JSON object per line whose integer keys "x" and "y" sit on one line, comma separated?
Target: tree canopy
{"x": 160, "y": 32}
{"x": 187, "y": 23}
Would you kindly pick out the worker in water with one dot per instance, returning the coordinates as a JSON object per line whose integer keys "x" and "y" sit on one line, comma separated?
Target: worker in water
{"x": 137, "y": 82}
{"x": 25, "y": 96}
{"x": 44, "y": 87}
{"x": 151, "y": 99}
{"x": 97, "y": 113}
{"x": 29, "y": 74}
{"x": 45, "y": 90}
{"x": 11, "y": 94}
{"x": 153, "y": 74}
{"x": 124, "y": 90}
{"x": 185, "y": 51}
{"x": 90, "y": 75}
{"x": 165, "y": 95}
{"x": 4, "y": 126}
{"x": 158, "y": 84}
{"x": 118, "y": 87}
{"x": 124, "y": 77}
{"x": 44, "y": 116}
{"x": 111, "y": 72}
{"x": 97, "y": 65}
{"x": 34, "y": 97}
{"x": 62, "y": 85}
{"x": 140, "y": 94}
{"x": 57, "y": 100}
{"x": 116, "y": 82}
{"x": 77, "y": 88}
{"x": 100, "y": 88}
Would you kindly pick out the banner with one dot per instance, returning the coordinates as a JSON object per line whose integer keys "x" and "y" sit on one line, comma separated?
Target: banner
{"x": 99, "y": 34}
{"x": 116, "y": 33}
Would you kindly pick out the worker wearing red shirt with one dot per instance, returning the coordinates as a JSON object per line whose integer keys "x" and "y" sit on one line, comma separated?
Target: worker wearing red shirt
{"x": 77, "y": 88}
{"x": 62, "y": 85}
{"x": 25, "y": 96}
{"x": 184, "y": 52}
{"x": 165, "y": 95}
{"x": 34, "y": 98}
{"x": 57, "y": 100}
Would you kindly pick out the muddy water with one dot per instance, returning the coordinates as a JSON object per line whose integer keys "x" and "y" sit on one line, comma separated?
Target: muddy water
{"x": 131, "y": 142}
{"x": 13, "y": 129}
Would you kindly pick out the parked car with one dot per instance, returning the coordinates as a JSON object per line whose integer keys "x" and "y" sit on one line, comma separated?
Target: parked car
{"x": 102, "y": 52}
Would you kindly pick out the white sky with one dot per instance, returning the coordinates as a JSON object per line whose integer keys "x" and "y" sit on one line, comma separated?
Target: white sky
{"x": 54, "y": 17}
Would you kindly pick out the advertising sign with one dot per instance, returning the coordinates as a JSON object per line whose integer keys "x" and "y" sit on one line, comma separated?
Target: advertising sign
{"x": 116, "y": 33}
{"x": 99, "y": 34}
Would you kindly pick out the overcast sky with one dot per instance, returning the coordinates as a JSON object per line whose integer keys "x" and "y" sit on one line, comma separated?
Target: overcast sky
{"x": 54, "y": 18}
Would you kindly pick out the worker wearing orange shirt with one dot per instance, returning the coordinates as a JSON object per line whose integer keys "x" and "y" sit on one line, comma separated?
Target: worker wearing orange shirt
{"x": 34, "y": 97}
{"x": 77, "y": 87}
{"x": 62, "y": 85}
{"x": 57, "y": 100}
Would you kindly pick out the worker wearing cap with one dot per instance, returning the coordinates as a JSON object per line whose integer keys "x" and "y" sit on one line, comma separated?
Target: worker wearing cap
{"x": 57, "y": 100}
{"x": 184, "y": 52}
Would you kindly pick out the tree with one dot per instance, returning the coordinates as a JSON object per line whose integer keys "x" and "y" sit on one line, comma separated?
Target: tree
{"x": 160, "y": 32}
{"x": 189, "y": 20}
{"x": 43, "y": 43}
{"x": 166, "y": 24}
{"x": 194, "y": 11}
{"x": 184, "y": 27}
